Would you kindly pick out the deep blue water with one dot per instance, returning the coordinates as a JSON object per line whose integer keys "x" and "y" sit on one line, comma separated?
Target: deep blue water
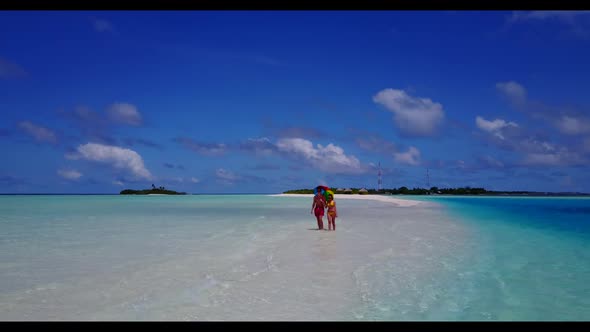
{"x": 569, "y": 215}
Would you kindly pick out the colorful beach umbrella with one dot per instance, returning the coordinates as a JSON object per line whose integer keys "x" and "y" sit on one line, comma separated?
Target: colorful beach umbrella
{"x": 324, "y": 190}
{"x": 321, "y": 189}
{"x": 328, "y": 193}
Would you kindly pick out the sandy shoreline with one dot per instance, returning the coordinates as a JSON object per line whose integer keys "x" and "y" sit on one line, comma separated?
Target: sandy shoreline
{"x": 386, "y": 199}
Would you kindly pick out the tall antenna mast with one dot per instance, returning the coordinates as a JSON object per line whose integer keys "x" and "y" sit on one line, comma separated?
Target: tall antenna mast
{"x": 379, "y": 180}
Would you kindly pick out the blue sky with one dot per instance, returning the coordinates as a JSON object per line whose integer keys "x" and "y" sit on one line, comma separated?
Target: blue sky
{"x": 257, "y": 102}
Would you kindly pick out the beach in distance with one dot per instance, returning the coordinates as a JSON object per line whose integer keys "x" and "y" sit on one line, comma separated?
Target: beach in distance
{"x": 385, "y": 199}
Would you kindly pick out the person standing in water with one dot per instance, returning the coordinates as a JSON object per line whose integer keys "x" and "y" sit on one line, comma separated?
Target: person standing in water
{"x": 317, "y": 208}
{"x": 332, "y": 212}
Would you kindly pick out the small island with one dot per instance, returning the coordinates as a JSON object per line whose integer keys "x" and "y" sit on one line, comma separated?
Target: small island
{"x": 153, "y": 191}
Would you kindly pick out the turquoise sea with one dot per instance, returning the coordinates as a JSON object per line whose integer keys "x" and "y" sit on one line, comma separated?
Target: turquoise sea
{"x": 258, "y": 257}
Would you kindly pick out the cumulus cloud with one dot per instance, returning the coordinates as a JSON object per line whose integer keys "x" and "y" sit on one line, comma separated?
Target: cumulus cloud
{"x": 93, "y": 126}
{"x": 545, "y": 159}
{"x": 571, "y": 125}
{"x": 202, "y": 148}
{"x": 413, "y": 116}
{"x": 195, "y": 180}
{"x": 568, "y": 121}
{"x": 410, "y": 157}
{"x": 11, "y": 70}
{"x": 538, "y": 150}
{"x": 329, "y": 158}
{"x": 124, "y": 113}
{"x": 115, "y": 156}
{"x": 515, "y": 92}
{"x": 226, "y": 176}
{"x": 118, "y": 183}
{"x": 70, "y": 174}
{"x": 494, "y": 127}
{"x": 39, "y": 133}
{"x": 558, "y": 158}
{"x": 259, "y": 146}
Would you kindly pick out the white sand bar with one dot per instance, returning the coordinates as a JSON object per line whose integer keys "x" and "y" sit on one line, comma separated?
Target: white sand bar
{"x": 386, "y": 199}
{"x": 236, "y": 258}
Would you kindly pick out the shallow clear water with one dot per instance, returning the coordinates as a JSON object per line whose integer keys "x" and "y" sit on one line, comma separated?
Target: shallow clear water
{"x": 532, "y": 257}
{"x": 254, "y": 257}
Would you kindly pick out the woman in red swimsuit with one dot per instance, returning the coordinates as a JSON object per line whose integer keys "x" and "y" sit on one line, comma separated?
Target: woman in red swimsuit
{"x": 317, "y": 208}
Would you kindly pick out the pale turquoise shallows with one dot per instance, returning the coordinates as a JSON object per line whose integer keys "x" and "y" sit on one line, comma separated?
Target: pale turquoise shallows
{"x": 256, "y": 257}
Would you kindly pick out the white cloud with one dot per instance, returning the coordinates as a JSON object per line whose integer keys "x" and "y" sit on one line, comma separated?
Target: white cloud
{"x": 532, "y": 145}
{"x": 118, "y": 183}
{"x": 210, "y": 149}
{"x": 494, "y": 127}
{"x": 195, "y": 180}
{"x": 412, "y": 116}
{"x": 101, "y": 25}
{"x": 117, "y": 157}
{"x": 125, "y": 113}
{"x": 551, "y": 155}
{"x": 569, "y": 122}
{"x": 226, "y": 175}
{"x": 41, "y": 134}
{"x": 260, "y": 146}
{"x": 573, "y": 126}
{"x": 69, "y": 174}
{"x": 545, "y": 159}
{"x": 329, "y": 158}
{"x": 515, "y": 92}
{"x": 410, "y": 157}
